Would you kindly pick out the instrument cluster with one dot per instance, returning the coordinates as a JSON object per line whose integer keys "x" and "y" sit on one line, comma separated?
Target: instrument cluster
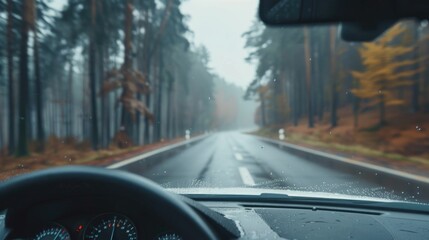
{"x": 106, "y": 226}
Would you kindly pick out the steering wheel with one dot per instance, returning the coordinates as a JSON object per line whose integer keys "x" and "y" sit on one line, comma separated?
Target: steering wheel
{"x": 66, "y": 182}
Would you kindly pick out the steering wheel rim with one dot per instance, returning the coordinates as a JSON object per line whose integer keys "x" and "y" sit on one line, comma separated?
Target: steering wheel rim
{"x": 64, "y": 182}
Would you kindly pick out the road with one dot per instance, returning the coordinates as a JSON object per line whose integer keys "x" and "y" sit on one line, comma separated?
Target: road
{"x": 233, "y": 159}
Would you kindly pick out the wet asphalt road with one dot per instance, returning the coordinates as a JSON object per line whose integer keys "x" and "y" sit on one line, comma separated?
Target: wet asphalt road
{"x": 233, "y": 159}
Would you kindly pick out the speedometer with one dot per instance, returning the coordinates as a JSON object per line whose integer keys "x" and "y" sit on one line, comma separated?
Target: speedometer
{"x": 111, "y": 226}
{"x": 53, "y": 232}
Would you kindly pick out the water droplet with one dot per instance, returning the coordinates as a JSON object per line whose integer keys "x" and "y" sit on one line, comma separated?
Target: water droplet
{"x": 314, "y": 209}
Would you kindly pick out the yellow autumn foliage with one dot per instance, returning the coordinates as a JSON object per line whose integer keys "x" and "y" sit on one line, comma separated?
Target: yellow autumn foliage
{"x": 385, "y": 69}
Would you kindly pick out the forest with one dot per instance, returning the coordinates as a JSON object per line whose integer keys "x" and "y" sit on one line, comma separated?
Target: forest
{"x": 309, "y": 81}
{"x": 100, "y": 73}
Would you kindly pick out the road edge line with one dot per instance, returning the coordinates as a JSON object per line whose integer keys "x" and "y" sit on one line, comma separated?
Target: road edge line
{"x": 154, "y": 152}
{"x": 370, "y": 166}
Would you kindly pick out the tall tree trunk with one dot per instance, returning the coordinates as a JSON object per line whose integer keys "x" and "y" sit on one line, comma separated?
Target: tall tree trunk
{"x": 92, "y": 77}
{"x": 169, "y": 113}
{"x": 424, "y": 75}
{"x": 263, "y": 110}
{"x": 356, "y": 106}
{"x": 22, "y": 149}
{"x": 416, "y": 79}
{"x": 11, "y": 89}
{"x": 39, "y": 95}
{"x": 295, "y": 98}
{"x": 106, "y": 100}
{"x": 2, "y": 110}
{"x": 334, "y": 80}
{"x": 126, "y": 93}
{"x": 314, "y": 72}
{"x": 308, "y": 59}
{"x": 146, "y": 119}
{"x": 159, "y": 97}
{"x": 70, "y": 100}
{"x": 104, "y": 137}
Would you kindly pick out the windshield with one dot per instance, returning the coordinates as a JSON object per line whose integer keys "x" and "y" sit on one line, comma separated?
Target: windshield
{"x": 201, "y": 94}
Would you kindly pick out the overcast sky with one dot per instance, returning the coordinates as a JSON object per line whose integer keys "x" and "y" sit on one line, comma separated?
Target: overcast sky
{"x": 219, "y": 24}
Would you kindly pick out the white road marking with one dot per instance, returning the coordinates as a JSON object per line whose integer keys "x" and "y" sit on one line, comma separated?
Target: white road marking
{"x": 238, "y": 156}
{"x": 246, "y": 177}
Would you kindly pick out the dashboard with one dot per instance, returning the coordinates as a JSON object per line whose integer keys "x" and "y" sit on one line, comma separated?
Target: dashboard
{"x": 88, "y": 203}
{"x": 88, "y": 219}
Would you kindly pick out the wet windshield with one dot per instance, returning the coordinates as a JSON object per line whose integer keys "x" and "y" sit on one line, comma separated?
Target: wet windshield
{"x": 201, "y": 94}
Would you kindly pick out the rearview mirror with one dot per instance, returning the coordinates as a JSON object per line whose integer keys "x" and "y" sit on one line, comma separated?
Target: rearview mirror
{"x": 362, "y": 20}
{"x": 292, "y": 12}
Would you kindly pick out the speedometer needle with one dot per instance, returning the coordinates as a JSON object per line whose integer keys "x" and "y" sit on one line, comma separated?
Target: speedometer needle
{"x": 113, "y": 230}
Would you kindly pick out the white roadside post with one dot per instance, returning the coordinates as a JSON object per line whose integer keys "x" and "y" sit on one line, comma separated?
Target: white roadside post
{"x": 187, "y": 134}
{"x": 281, "y": 134}
{"x": 281, "y": 137}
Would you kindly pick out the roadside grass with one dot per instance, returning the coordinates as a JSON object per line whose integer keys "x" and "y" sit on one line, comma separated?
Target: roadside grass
{"x": 62, "y": 152}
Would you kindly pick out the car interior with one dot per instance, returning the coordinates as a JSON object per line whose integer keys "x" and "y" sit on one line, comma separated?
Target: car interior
{"x": 77, "y": 202}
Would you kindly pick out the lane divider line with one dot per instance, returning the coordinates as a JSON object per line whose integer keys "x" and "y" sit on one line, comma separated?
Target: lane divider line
{"x": 154, "y": 152}
{"x": 238, "y": 156}
{"x": 246, "y": 177}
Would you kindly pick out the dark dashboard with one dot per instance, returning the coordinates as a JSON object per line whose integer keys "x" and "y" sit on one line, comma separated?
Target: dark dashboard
{"x": 88, "y": 203}
{"x": 94, "y": 218}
